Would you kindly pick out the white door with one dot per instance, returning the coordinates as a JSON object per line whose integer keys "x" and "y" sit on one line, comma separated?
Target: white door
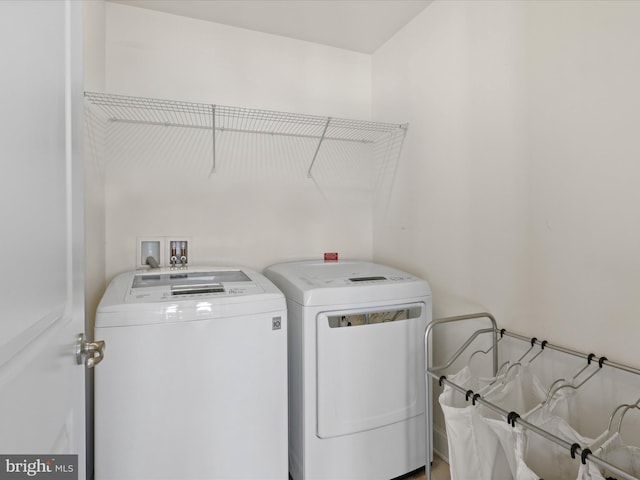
{"x": 41, "y": 284}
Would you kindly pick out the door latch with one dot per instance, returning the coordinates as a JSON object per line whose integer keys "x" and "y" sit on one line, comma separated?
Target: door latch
{"x": 89, "y": 353}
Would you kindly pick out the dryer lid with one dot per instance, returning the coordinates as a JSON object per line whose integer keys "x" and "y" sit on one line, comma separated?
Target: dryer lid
{"x": 344, "y": 282}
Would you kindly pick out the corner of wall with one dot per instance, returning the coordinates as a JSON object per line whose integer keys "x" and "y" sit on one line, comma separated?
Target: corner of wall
{"x": 94, "y": 80}
{"x": 94, "y": 44}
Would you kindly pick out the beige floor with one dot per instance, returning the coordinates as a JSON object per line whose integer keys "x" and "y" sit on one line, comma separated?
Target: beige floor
{"x": 439, "y": 471}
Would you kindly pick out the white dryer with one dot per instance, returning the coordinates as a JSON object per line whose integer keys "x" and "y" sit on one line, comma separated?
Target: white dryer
{"x": 356, "y": 369}
{"x": 194, "y": 381}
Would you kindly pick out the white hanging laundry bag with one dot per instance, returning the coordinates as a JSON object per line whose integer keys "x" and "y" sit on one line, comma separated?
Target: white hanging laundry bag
{"x": 519, "y": 391}
{"x": 549, "y": 460}
{"x": 474, "y": 451}
{"x": 523, "y": 472}
{"x": 482, "y": 448}
{"x": 513, "y": 441}
{"x": 616, "y": 452}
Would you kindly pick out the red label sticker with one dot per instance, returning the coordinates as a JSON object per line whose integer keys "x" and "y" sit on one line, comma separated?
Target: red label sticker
{"x": 331, "y": 257}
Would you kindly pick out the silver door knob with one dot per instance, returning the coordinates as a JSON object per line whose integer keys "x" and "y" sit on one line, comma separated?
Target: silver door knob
{"x": 89, "y": 353}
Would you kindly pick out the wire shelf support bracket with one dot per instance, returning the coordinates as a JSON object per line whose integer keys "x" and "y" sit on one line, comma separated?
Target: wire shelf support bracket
{"x": 213, "y": 139}
{"x": 315, "y": 155}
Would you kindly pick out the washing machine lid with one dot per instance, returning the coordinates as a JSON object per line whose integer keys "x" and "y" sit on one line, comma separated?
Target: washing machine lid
{"x": 165, "y": 295}
{"x": 312, "y": 282}
{"x": 164, "y": 285}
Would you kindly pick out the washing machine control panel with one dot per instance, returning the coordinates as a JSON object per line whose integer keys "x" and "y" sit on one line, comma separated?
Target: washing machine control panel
{"x": 179, "y": 285}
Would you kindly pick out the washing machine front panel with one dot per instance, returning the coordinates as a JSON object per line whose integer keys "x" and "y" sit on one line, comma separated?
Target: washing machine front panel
{"x": 369, "y": 368}
{"x": 200, "y": 393}
{"x": 206, "y": 400}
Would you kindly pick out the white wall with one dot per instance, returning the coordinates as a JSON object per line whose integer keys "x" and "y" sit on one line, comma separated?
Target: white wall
{"x": 276, "y": 214}
{"x": 457, "y": 216}
{"x": 518, "y": 176}
{"x": 517, "y": 189}
{"x": 583, "y": 101}
{"x": 167, "y": 56}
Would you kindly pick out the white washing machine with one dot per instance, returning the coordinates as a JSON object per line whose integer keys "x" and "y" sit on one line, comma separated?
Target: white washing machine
{"x": 193, "y": 384}
{"x": 356, "y": 369}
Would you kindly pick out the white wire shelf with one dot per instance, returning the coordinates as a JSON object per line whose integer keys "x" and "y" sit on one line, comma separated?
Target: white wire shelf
{"x": 382, "y": 138}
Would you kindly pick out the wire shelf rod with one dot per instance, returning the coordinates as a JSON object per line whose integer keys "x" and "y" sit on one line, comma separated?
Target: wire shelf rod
{"x": 105, "y": 99}
{"x": 302, "y": 119}
{"x": 160, "y": 124}
{"x": 359, "y": 138}
{"x": 239, "y": 130}
{"x": 124, "y": 108}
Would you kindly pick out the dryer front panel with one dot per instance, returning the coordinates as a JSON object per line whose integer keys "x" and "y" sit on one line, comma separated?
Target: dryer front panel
{"x": 370, "y": 365}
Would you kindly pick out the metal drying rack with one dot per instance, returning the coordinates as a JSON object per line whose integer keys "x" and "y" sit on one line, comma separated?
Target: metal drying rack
{"x": 512, "y": 418}
{"x": 220, "y": 118}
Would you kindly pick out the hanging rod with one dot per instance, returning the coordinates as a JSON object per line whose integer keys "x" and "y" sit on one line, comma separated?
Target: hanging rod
{"x": 619, "y": 366}
{"x": 512, "y": 417}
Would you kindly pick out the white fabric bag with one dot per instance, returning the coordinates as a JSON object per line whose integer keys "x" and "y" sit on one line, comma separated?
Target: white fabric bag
{"x": 616, "y": 452}
{"x": 482, "y": 448}
{"x": 475, "y": 453}
{"x": 551, "y": 461}
{"x": 519, "y": 391}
